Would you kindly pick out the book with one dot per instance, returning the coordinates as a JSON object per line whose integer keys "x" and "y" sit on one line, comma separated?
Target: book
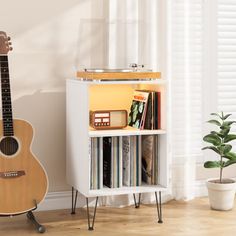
{"x": 149, "y": 120}
{"x": 112, "y": 162}
{"x": 134, "y": 154}
{"x": 158, "y": 110}
{"x": 147, "y": 158}
{"x": 156, "y": 159}
{"x": 138, "y": 154}
{"x": 120, "y": 162}
{"x": 152, "y": 114}
{"x": 126, "y": 160}
{"x": 107, "y": 162}
{"x": 131, "y": 146}
{"x": 95, "y": 153}
{"x": 138, "y": 109}
{"x": 100, "y": 164}
{"x": 116, "y": 161}
{"x": 91, "y": 164}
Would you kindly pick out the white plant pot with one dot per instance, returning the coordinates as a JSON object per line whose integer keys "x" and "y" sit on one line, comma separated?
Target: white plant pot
{"x": 221, "y": 196}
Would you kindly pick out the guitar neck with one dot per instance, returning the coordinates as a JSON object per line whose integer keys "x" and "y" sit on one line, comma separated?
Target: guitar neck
{"x": 6, "y": 97}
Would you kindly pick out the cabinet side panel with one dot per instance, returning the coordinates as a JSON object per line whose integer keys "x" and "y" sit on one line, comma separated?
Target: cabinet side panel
{"x": 77, "y": 118}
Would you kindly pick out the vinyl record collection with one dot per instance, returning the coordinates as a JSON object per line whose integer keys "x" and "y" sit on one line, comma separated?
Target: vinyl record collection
{"x": 118, "y": 161}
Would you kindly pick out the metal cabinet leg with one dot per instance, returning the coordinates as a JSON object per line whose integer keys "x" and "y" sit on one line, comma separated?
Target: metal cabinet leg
{"x": 91, "y": 227}
{"x": 137, "y": 205}
{"x": 159, "y": 210}
{"x": 74, "y": 200}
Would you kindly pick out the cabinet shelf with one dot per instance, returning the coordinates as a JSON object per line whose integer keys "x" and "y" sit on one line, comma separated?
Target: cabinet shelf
{"x": 123, "y": 132}
{"x": 126, "y": 190}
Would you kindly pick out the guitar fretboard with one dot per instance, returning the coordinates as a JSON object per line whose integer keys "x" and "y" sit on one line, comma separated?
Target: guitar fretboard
{"x": 6, "y": 97}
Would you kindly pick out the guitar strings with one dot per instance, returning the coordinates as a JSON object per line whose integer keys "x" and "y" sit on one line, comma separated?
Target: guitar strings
{"x": 9, "y": 144}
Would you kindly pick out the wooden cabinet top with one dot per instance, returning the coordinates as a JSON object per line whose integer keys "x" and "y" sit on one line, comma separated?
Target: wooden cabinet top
{"x": 118, "y": 75}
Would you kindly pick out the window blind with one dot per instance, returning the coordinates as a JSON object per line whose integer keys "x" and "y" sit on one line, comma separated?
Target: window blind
{"x": 226, "y": 56}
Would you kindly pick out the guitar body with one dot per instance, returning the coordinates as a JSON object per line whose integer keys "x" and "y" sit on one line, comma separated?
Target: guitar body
{"x": 23, "y": 181}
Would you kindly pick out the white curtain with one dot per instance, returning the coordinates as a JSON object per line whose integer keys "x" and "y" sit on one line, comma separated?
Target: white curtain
{"x": 167, "y": 36}
{"x": 134, "y": 36}
{"x": 186, "y": 73}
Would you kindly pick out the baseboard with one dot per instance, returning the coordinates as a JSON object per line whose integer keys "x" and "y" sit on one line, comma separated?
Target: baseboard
{"x": 200, "y": 188}
{"x": 56, "y": 201}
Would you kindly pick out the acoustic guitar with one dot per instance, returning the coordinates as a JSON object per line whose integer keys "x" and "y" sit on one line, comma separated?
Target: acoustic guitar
{"x": 23, "y": 180}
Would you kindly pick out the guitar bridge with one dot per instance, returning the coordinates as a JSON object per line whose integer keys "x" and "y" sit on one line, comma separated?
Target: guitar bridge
{"x": 11, "y": 174}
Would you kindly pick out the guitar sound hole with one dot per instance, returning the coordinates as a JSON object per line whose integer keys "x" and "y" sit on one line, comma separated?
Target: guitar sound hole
{"x": 9, "y": 146}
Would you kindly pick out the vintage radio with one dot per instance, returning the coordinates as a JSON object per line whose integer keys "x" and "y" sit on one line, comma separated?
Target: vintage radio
{"x": 108, "y": 119}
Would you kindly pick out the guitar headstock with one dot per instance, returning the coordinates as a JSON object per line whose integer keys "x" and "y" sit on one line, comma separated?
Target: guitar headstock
{"x": 5, "y": 44}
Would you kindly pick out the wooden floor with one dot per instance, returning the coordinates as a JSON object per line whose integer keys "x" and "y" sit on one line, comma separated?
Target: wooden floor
{"x": 180, "y": 218}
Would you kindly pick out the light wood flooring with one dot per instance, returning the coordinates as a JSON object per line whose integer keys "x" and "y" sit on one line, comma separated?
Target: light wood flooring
{"x": 180, "y": 219}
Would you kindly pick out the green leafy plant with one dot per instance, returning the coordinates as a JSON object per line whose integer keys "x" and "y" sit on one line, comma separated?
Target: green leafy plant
{"x": 219, "y": 141}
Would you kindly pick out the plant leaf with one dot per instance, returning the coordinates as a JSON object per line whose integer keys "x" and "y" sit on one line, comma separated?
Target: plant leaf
{"x": 226, "y": 116}
{"x": 228, "y": 123}
{"x": 212, "y": 138}
{"x": 227, "y": 148}
{"x": 229, "y": 137}
{"x": 224, "y": 149}
{"x": 218, "y": 134}
{"x": 230, "y": 155}
{"x": 216, "y": 114}
{"x": 230, "y": 162}
{"x": 224, "y": 130}
{"x": 212, "y": 164}
{"x": 215, "y": 122}
{"x": 212, "y": 148}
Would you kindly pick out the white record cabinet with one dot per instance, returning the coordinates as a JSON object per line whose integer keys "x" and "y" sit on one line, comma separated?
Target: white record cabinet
{"x": 91, "y": 93}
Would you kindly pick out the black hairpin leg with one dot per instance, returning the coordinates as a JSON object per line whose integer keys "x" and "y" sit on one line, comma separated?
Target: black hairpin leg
{"x": 74, "y": 200}
{"x": 159, "y": 211}
{"x": 137, "y": 205}
{"x": 90, "y": 227}
{"x": 40, "y": 228}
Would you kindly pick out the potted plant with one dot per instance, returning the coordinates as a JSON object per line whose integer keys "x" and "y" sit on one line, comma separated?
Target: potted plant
{"x": 221, "y": 191}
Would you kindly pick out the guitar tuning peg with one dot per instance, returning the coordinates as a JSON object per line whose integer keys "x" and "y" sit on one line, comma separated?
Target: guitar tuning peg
{"x": 11, "y": 48}
{"x": 8, "y": 38}
{"x": 9, "y": 43}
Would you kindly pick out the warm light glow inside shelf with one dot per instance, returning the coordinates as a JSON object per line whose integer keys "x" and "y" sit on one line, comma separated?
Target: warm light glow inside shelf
{"x": 119, "y": 97}
{"x": 110, "y": 97}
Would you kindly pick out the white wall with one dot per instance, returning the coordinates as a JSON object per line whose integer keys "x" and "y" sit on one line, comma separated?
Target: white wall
{"x": 45, "y": 38}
